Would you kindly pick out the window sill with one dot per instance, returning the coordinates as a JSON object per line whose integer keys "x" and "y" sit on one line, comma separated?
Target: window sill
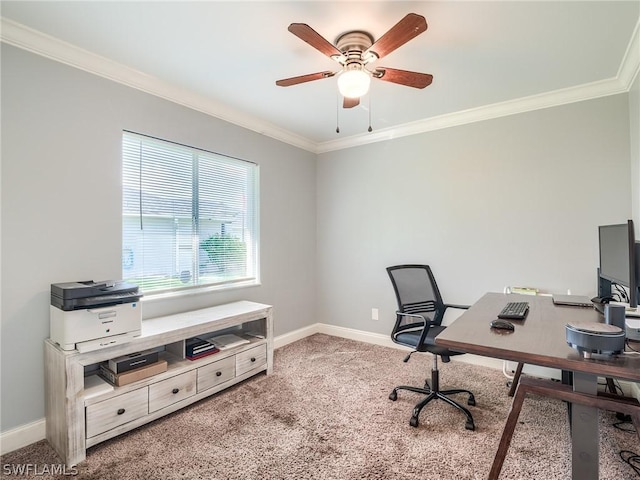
{"x": 153, "y": 297}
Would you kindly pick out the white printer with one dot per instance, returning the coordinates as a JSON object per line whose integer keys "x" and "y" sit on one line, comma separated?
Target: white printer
{"x": 90, "y": 315}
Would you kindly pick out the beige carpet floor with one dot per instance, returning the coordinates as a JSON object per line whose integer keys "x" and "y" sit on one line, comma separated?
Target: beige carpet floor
{"x": 325, "y": 414}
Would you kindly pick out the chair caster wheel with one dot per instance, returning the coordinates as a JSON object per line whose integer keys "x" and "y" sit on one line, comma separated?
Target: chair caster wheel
{"x": 393, "y": 396}
{"x": 471, "y": 401}
{"x": 413, "y": 422}
{"x": 470, "y": 426}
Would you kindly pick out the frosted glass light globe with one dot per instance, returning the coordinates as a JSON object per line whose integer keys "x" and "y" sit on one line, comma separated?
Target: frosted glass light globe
{"x": 354, "y": 83}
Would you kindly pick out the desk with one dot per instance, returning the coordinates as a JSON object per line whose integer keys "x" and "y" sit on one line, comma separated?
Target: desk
{"x": 540, "y": 340}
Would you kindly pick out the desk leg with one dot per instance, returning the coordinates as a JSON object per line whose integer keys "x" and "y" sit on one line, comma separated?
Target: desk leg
{"x": 584, "y": 430}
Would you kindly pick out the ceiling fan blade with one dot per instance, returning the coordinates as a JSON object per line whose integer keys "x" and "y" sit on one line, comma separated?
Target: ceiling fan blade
{"x": 287, "y": 82}
{"x": 409, "y": 27}
{"x": 350, "y": 102}
{"x": 403, "y": 77}
{"x": 313, "y": 38}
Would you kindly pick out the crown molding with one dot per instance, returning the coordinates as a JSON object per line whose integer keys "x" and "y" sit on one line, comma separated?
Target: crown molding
{"x": 629, "y": 68}
{"x": 23, "y": 37}
{"x": 630, "y": 65}
{"x": 487, "y": 112}
{"x": 26, "y": 38}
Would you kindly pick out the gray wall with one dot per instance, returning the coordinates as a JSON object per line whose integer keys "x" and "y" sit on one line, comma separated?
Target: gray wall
{"x": 329, "y": 224}
{"x": 449, "y": 198}
{"x": 61, "y": 207}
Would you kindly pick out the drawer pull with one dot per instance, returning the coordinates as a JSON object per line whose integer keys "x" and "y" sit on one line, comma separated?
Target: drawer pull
{"x": 253, "y": 359}
{"x": 120, "y": 411}
{"x": 218, "y": 374}
{"x": 175, "y": 390}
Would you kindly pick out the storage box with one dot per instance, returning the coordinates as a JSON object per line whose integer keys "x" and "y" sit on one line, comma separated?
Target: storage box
{"x": 121, "y": 379}
{"x": 132, "y": 361}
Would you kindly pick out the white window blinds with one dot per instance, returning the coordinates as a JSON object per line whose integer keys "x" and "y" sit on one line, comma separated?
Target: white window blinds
{"x": 189, "y": 217}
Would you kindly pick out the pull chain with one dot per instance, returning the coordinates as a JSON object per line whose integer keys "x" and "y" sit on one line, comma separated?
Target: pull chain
{"x": 337, "y": 113}
{"x": 370, "y": 129}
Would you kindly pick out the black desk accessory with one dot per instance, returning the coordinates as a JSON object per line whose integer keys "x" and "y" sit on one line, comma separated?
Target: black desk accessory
{"x": 502, "y": 325}
{"x": 514, "y": 311}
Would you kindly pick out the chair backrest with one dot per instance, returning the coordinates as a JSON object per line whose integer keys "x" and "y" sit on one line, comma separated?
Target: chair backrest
{"x": 416, "y": 291}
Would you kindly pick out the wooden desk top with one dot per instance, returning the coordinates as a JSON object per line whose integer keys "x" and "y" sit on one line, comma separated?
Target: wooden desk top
{"x": 540, "y": 339}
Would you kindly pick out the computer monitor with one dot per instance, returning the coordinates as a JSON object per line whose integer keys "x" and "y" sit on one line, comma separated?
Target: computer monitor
{"x": 618, "y": 260}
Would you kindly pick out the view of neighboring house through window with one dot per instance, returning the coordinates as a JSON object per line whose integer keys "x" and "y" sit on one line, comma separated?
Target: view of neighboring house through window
{"x": 189, "y": 217}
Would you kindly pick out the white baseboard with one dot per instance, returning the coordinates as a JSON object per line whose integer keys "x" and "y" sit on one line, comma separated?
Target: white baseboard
{"x": 385, "y": 341}
{"x": 33, "y": 432}
{"x": 351, "y": 334}
{"x": 287, "y": 338}
{"x": 22, "y": 436}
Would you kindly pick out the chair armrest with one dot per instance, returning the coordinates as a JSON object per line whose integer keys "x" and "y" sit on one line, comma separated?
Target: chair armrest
{"x": 425, "y": 321}
{"x": 460, "y": 307}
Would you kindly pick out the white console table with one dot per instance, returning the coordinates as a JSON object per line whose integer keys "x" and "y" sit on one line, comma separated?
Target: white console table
{"x": 83, "y": 410}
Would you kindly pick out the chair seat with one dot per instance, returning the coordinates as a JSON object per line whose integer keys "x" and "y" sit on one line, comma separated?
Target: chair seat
{"x": 411, "y": 338}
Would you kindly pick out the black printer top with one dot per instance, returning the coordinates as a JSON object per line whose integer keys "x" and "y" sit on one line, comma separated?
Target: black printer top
{"x": 90, "y": 288}
{"x": 76, "y": 295}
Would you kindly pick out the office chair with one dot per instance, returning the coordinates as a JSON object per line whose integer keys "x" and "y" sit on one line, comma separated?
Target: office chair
{"x": 418, "y": 322}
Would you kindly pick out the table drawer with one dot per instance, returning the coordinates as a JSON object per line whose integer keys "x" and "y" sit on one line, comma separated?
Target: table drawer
{"x": 250, "y": 359}
{"x": 216, "y": 373}
{"x": 116, "y": 411}
{"x": 171, "y": 390}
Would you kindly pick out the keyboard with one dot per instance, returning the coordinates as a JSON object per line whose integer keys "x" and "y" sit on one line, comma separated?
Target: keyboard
{"x": 515, "y": 310}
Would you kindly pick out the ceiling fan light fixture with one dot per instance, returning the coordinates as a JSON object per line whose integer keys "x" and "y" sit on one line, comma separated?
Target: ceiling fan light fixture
{"x": 354, "y": 83}
{"x": 354, "y": 50}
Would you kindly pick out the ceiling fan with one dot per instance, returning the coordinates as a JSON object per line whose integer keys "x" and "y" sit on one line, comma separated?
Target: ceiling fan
{"x": 355, "y": 50}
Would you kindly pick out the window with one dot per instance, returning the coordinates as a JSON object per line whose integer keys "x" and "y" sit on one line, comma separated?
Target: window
{"x": 189, "y": 217}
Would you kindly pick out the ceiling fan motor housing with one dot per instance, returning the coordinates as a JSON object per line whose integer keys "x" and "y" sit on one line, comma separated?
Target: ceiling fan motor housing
{"x": 357, "y": 40}
{"x": 353, "y": 45}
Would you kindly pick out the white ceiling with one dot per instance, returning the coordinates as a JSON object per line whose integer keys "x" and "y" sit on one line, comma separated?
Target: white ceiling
{"x": 487, "y": 58}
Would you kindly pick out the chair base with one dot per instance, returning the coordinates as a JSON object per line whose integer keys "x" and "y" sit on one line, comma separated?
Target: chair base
{"x": 433, "y": 392}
